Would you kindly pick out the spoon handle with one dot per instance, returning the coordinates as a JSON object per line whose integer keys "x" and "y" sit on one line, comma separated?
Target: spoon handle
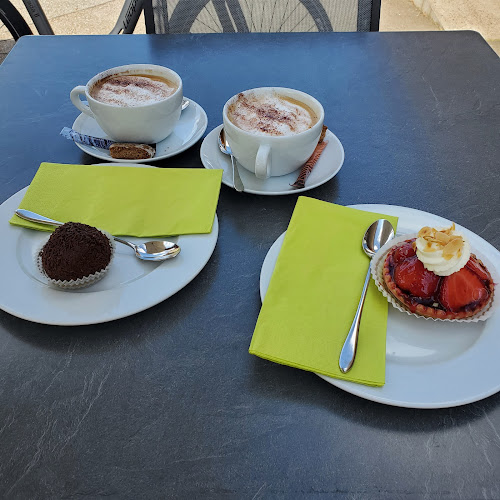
{"x": 238, "y": 184}
{"x": 33, "y": 217}
{"x": 125, "y": 242}
{"x": 348, "y": 353}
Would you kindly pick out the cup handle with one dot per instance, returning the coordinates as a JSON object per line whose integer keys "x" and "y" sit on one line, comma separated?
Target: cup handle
{"x": 75, "y": 99}
{"x": 263, "y": 162}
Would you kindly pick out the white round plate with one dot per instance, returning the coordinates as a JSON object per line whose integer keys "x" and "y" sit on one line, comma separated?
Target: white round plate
{"x": 189, "y": 129}
{"x": 130, "y": 286}
{"x": 428, "y": 364}
{"x": 328, "y": 165}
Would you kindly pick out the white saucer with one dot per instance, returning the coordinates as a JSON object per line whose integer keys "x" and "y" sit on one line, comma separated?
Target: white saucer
{"x": 189, "y": 129}
{"x": 328, "y": 165}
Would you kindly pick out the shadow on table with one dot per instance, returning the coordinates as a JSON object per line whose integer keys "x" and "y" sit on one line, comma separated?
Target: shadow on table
{"x": 163, "y": 318}
{"x": 252, "y": 218}
{"x": 274, "y": 381}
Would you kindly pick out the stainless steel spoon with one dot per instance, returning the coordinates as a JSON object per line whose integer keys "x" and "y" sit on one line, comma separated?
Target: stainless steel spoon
{"x": 151, "y": 250}
{"x": 226, "y": 149}
{"x": 376, "y": 236}
{"x": 185, "y": 103}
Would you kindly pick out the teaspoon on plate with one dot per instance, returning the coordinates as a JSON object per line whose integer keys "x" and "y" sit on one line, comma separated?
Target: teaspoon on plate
{"x": 226, "y": 149}
{"x": 153, "y": 251}
{"x": 185, "y": 103}
{"x": 376, "y": 236}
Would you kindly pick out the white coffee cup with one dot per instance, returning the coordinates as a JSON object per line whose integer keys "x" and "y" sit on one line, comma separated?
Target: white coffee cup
{"x": 273, "y": 155}
{"x": 143, "y": 123}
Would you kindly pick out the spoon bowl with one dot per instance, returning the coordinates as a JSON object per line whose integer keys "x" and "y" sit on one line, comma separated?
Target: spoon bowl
{"x": 375, "y": 237}
{"x": 226, "y": 149}
{"x": 157, "y": 250}
{"x": 152, "y": 251}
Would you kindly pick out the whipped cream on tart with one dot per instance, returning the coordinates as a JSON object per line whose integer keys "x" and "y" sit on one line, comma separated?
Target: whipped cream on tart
{"x": 442, "y": 251}
{"x": 435, "y": 275}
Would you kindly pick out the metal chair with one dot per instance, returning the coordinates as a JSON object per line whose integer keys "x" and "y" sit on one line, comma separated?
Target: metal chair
{"x": 217, "y": 16}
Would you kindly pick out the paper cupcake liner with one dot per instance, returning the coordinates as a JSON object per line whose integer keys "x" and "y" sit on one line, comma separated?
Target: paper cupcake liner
{"x": 80, "y": 282}
{"x": 377, "y": 266}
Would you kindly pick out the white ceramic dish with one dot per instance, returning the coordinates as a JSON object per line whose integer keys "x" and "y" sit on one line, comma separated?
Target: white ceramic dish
{"x": 326, "y": 168}
{"x": 428, "y": 364}
{"x": 189, "y": 129}
{"x": 130, "y": 286}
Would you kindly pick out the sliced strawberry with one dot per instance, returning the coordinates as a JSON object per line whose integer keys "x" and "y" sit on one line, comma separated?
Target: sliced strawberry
{"x": 474, "y": 266}
{"x": 462, "y": 289}
{"x": 412, "y": 277}
{"x": 403, "y": 252}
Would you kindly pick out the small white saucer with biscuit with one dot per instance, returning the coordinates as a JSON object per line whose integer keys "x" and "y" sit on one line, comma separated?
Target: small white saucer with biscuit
{"x": 188, "y": 130}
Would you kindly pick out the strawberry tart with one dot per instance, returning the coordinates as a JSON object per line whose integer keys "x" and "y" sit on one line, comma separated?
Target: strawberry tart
{"x": 435, "y": 275}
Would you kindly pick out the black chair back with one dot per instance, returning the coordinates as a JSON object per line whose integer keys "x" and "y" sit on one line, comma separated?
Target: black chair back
{"x": 229, "y": 16}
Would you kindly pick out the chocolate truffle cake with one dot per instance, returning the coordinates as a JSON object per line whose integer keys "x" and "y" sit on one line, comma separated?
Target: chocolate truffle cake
{"x": 75, "y": 251}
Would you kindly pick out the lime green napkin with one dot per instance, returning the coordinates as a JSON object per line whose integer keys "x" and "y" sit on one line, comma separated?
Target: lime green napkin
{"x": 314, "y": 292}
{"x": 125, "y": 200}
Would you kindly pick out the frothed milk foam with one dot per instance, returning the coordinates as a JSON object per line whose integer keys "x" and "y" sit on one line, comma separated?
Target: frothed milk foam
{"x": 270, "y": 114}
{"x": 132, "y": 90}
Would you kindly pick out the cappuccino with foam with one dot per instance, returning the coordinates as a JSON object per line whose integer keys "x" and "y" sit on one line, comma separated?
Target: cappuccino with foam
{"x": 132, "y": 90}
{"x": 272, "y": 130}
{"x": 133, "y": 103}
{"x": 270, "y": 113}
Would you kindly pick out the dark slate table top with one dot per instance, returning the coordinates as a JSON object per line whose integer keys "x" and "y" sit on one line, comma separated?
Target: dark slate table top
{"x": 168, "y": 402}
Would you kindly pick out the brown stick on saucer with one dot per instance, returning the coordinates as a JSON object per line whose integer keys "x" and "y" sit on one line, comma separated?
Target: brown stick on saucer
{"x": 309, "y": 164}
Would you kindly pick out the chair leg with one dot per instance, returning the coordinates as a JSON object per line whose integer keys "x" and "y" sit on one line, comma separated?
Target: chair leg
{"x": 375, "y": 17}
{"x": 156, "y": 16}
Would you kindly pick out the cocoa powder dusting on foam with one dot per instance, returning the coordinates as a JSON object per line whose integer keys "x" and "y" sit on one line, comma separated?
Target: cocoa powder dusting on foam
{"x": 132, "y": 90}
{"x": 269, "y": 114}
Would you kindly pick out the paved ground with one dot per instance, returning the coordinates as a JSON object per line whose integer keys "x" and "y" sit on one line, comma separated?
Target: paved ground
{"x": 98, "y": 16}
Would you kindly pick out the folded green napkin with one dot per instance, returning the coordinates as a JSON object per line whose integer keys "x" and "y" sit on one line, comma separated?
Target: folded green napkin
{"x": 125, "y": 200}
{"x": 314, "y": 292}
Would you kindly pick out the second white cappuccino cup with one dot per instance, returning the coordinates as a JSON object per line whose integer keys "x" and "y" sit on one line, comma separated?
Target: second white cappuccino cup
{"x": 267, "y": 154}
{"x": 149, "y": 122}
